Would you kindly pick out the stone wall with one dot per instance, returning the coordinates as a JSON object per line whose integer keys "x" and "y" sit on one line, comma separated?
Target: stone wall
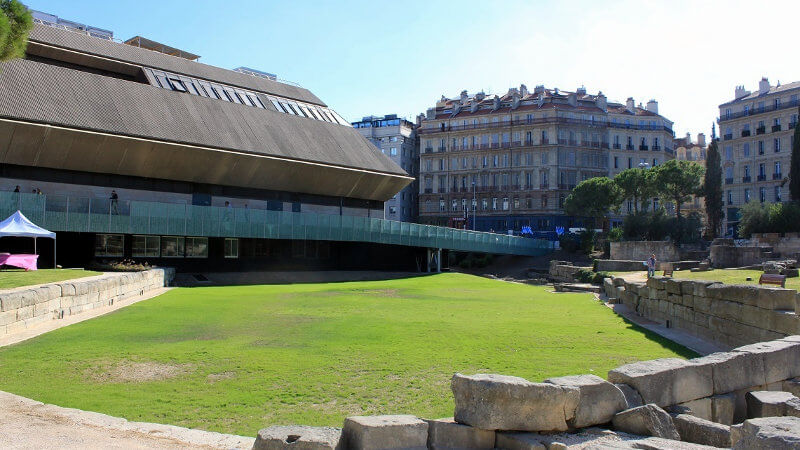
{"x": 22, "y": 308}
{"x": 729, "y": 315}
{"x": 641, "y": 250}
{"x": 724, "y": 253}
{"x": 788, "y": 245}
{"x": 564, "y": 271}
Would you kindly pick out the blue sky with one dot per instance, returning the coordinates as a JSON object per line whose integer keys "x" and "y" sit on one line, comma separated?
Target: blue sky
{"x": 378, "y": 57}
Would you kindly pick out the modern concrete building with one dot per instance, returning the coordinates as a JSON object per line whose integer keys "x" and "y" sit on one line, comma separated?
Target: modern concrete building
{"x": 757, "y": 132}
{"x": 687, "y": 150}
{"x": 103, "y": 129}
{"x": 511, "y": 160}
{"x": 396, "y": 138}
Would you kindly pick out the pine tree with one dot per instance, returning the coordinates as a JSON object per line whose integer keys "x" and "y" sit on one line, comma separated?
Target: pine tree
{"x": 712, "y": 190}
{"x": 794, "y": 169}
{"x": 15, "y": 23}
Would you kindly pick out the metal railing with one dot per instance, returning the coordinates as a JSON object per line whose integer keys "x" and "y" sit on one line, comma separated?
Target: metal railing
{"x": 543, "y": 120}
{"x": 84, "y": 215}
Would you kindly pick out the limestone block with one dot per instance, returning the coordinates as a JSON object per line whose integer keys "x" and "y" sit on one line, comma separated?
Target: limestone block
{"x": 40, "y": 309}
{"x": 702, "y": 304}
{"x": 48, "y": 292}
{"x": 599, "y": 400}
{"x": 500, "y": 402}
{"x": 734, "y": 370}
{"x": 518, "y": 441}
{"x": 666, "y": 381}
{"x": 647, "y": 420}
{"x": 727, "y": 310}
{"x": 701, "y": 287}
{"x": 26, "y": 312}
{"x": 700, "y": 431}
{"x": 657, "y": 282}
{"x": 774, "y": 433}
{"x": 688, "y": 300}
{"x": 776, "y": 298}
{"x": 702, "y": 408}
{"x": 448, "y": 434}
{"x": 687, "y": 287}
{"x": 759, "y": 317}
{"x": 781, "y": 358}
{"x": 385, "y": 432}
{"x": 784, "y": 322}
{"x": 7, "y": 317}
{"x": 297, "y": 437}
{"x": 672, "y": 286}
{"x": 739, "y": 293}
{"x": 632, "y": 398}
{"x": 767, "y": 403}
{"x": 792, "y": 385}
{"x": 655, "y": 443}
{"x": 723, "y": 408}
{"x": 675, "y": 299}
{"x": 67, "y": 289}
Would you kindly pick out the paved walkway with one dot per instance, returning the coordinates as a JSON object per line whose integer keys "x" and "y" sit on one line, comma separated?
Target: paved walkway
{"x": 28, "y": 424}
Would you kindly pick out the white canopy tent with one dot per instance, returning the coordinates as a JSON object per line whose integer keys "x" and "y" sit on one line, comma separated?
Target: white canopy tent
{"x": 17, "y": 225}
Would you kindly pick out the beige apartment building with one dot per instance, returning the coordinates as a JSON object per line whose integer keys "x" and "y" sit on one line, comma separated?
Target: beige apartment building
{"x": 500, "y": 163}
{"x": 757, "y": 133}
{"x": 686, "y": 150}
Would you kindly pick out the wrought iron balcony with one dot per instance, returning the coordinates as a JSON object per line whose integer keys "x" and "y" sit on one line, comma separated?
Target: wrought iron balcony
{"x": 728, "y": 180}
{"x": 761, "y": 130}
{"x": 727, "y": 137}
{"x": 762, "y": 177}
{"x": 745, "y": 133}
{"x": 616, "y": 146}
{"x": 643, "y": 147}
{"x": 777, "y": 176}
{"x": 746, "y": 179}
{"x": 776, "y": 128}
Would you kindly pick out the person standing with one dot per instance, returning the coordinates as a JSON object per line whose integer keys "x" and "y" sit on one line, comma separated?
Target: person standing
{"x": 651, "y": 266}
{"x": 114, "y": 202}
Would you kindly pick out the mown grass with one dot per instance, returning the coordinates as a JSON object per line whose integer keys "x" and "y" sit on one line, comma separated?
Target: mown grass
{"x": 237, "y": 359}
{"x": 729, "y": 276}
{"x": 12, "y": 278}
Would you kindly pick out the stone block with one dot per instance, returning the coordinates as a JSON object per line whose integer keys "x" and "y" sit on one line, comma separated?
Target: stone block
{"x": 702, "y": 304}
{"x": 700, "y": 431}
{"x": 734, "y": 370}
{"x": 667, "y": 381}
{"x": 449, "y": 434}
{"x": 727, "y": 310}
{"x": 25, "y": 312}
{"x": 519, "y": 441}
{"x": 687, "y": 287}
{"x": 385, "y": 432}
{"x": 298, "y": 437}
{"x": 739, "y": 293}
{"x": 758, "y": 317}
{"x": 792, "y": 386}
{"x": 672, "y": 286}
{"x": 701, "y": 408}
{"x": 776, "y": 298}
{"x": 767, "y": 403}
{"x": 500, "y": 402}
{"x": 599, "y": 400}
{"x": 774, "y": 433}
{"x": 781, "y": 358}
{"x": 723, "y": 408}
{"x": 688, "y": 300}
{"x": 700, "y": 287}
{"x": 784, "y": 322}
{"x": 647, "y": 420}
{"x": 632, "y": 398}
{"x": 658, "y": 283}
{"x": 7, "y": 317}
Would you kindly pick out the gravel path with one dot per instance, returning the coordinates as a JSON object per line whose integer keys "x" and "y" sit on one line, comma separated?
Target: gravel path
{"x": 28, "y": 424}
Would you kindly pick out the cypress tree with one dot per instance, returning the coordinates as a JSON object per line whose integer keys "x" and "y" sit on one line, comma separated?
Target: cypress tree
{"x": 794, "y": 169}
{"x": 712, "y": 187}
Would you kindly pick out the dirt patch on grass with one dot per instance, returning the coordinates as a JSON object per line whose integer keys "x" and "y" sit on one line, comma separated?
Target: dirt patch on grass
{"x": 138, "y": 372}
{"x": 381, "y": 292}
{"x": 214, "y": 377}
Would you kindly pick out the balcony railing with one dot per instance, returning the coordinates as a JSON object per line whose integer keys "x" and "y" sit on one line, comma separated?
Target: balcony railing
{"x": 643, "y": 147}
{"x": 745, "y": 133}
{"x": 754, "y": 111}
{"x": 656, "y": 148}
{"x": 544, "y": 186}
{"x": 776, "y": 128}
{"x": 428, "y": 149}
{"x": 762, "y": 177}
{"x": 728, "y": 180}
{"x": 777, "y": 176}
{"x": 727, "y": 137}
{"x": 566, "y": 186}
{"x": 429, "y": 190}
{"x": 440, "y": 149}
{"x": 616, "y": 146}
{"x": 746, "y": 179}
{"x": 83, "y": 215}
{"x": 761, "y": 130}
{"x": 542, "y": 121}
{"x": 629, "y": 147}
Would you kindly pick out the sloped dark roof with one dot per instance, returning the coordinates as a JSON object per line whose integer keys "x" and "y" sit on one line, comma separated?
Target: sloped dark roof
{"x": 140, "y": 56}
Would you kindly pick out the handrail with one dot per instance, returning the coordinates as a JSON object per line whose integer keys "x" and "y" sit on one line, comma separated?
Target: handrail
{"x": 94, "y": 215}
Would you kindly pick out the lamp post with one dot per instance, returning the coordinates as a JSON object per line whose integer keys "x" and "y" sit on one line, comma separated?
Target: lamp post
{"x": 474, "y": 205}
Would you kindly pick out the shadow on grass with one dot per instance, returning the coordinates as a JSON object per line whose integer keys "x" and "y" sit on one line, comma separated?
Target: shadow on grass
{"x": 218, "y": 279}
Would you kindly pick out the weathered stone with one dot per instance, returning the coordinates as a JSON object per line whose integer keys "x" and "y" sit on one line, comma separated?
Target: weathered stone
{"x": 781, "y": 358}
{"x": 647, "y": 420}
{"x": 776, "y": 298}
{"x": 518, "y": 441}
{"x": 599, "y": 399}
{"x": 672, "y": 286}
{"x": 449, "y": 434}
{"x": 385, "y": 432}
{"x": 655, "y": 443}
{"x": 666, "y": 381}
{"x": 792, "y": 386}
{"x": 723, "y": 408}
{"x": 500, "y": 402}
{"x": 632, "y": 398}
{"x": 701, "y": 408}
{"x": 767, "y": 403}
{"x": 298, "y": 437}
{"x": 734, "y": 370}
{"x": 700, "y": 431}
{"x": 773, "y": 433}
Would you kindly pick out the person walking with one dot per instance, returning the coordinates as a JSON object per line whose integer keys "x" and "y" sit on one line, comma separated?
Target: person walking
{"x": 114, "y": 202}
{"x": 651, "y": 266}
{"x": 16, "y": 189}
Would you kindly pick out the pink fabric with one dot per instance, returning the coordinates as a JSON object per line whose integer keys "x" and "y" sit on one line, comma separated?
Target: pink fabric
{"x": 27, "y": 262}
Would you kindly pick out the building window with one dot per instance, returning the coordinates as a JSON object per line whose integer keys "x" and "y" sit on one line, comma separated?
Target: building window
{"x": 616, "y": 162}
{"x": 777, "y": 145}
{"x": 778, "y": 196}
{"x": 494, "y": 203}
{"x": 109, "y": 245}
{"x": 454, "y": 205}
{"x": 231, "y": 248}
{"x": 484, "y": 204}
{"x": 146, "y": 246}
{"x": 196, "y": 247}
{"x": 505, "y": 203}
{"x": 728, "y": 153}
{"x": 730, "y": 197}
{"x": 393, "y": 151}
{"x": 172, "y": 247}
{"x": 441, "y": 205}
{"x": 762, "y": 194}
{"x": 777, "y": 168}
{"x": 746, "y": 195}
{"x": 746, "y": 150}
{"x": 760, "y": 147}
{"x": 544, "y": 201}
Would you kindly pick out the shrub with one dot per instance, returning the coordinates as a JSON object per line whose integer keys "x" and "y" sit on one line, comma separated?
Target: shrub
{"x": 616, "y": 234}
{"x": 125, "y": 265}
{"x": 569, "y": 242}
{"x": 658, "y": 226}
{"x": 769, "y": 218}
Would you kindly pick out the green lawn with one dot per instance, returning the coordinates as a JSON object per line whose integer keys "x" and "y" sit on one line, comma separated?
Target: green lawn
{"x": 729, "y": 276}
{"x": 236, "y": 359}
{"x": 12, "y": 278}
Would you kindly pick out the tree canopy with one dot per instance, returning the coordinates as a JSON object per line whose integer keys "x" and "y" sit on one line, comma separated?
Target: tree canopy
{"x": 794, "y": 168}
{"x": 712, "y": 190}
{"x": 15, "y": 24}
{"x": 594, "y": 197}
{"x": 636, "y": 184}
{"x": 677, "y": 180}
